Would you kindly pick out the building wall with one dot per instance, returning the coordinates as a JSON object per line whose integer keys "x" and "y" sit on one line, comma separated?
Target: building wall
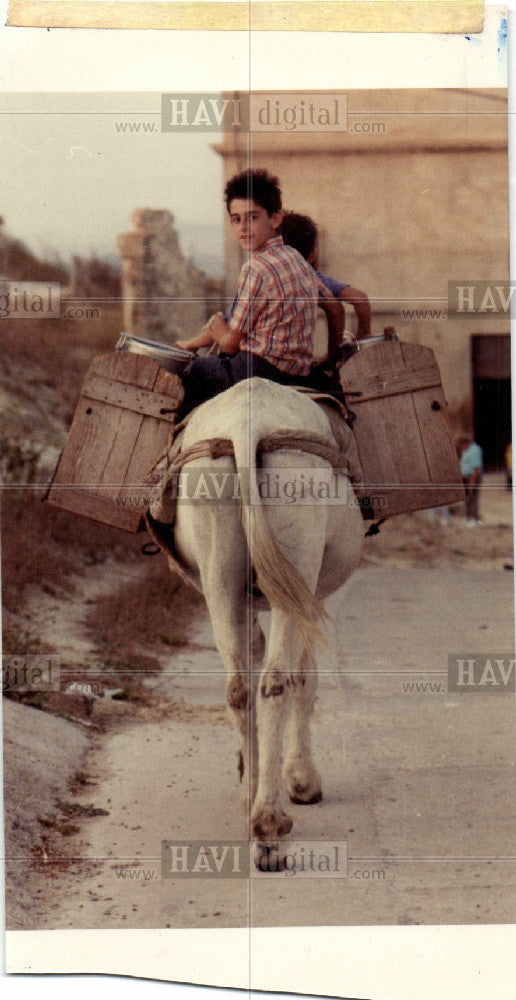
{"x": 418, "y": 199}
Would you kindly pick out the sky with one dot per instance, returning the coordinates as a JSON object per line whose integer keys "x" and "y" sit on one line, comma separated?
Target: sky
{"x": 77, "y": 172}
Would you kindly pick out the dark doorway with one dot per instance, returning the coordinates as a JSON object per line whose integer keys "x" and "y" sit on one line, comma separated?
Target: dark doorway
{"x": 491, "y": 368}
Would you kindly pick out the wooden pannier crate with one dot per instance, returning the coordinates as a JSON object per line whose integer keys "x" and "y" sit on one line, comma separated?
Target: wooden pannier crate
{"x": 401, "y": 428}
{"x": 122, "y": 423}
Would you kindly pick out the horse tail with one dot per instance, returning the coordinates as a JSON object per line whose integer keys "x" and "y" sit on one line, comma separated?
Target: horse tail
{"x": 279, "y": 581}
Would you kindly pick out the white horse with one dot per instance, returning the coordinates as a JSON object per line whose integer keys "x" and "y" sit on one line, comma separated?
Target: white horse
{"x": 297, "y": 553}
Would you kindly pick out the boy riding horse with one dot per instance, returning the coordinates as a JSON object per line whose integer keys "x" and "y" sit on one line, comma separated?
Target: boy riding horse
{"x": 270, "y": 326}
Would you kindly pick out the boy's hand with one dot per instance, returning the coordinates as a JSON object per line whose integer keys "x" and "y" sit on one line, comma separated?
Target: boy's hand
{"x": 215, "y": 331}
{"x": 207, "y": 326}
{"x": 222, "y": 334}
{"x": 217, "y": 326}
{"x": 204, "y": 339}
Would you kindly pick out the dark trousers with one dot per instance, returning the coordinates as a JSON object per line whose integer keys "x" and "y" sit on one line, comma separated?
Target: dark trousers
{"x": 206, "y": 377}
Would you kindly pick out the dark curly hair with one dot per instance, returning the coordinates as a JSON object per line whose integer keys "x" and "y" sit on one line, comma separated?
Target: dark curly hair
{"x": 300, "y": 232}
{"x": 259, "y": 186}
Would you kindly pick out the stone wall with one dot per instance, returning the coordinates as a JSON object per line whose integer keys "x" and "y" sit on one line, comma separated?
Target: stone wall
{"x": 165, "y": 296}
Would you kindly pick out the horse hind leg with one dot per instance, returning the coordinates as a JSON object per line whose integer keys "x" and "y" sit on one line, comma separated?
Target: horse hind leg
{"x": 300, "y": 775}
{"x": 233, "y": 630}
{"x": 269, "y": 821}
{"x": 244, "y": 714}
{"x": 241, "y": 700}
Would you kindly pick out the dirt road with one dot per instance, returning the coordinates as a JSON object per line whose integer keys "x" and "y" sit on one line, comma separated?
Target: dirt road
{"x": 415, "y": 780}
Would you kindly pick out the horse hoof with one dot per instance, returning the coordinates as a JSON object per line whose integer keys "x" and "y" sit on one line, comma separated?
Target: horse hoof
{"x": 268, "y": 824}
{"x": 303, "y": 785}
{"x": 314, "y": 797}
{"x": 267, "y": 857}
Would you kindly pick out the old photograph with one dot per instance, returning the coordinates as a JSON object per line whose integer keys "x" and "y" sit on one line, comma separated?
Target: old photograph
{"x": 257, "y": 558}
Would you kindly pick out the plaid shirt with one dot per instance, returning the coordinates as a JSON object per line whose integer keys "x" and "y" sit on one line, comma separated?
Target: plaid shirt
{"x": 275, "y": 307}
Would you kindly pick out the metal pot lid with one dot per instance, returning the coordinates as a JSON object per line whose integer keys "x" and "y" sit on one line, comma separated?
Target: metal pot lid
{"x": 152, "y": 347}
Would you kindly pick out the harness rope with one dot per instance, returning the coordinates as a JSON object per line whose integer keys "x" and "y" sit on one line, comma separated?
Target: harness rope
{"x": 212, "y": 448}
{"x": 286, "y": 439}
{"x": 217, "y": 447}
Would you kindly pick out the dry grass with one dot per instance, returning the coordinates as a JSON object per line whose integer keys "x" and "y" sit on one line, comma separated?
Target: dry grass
{"x": 159, "y": 613}
{"x": 418, "y": 541}
{"x": 59, "y": 352}
{"x": 43, "y": 546}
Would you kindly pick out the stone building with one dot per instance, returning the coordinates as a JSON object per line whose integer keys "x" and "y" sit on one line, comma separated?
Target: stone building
{"x": 412, "y": 196}
{"x": 165, "y": 296}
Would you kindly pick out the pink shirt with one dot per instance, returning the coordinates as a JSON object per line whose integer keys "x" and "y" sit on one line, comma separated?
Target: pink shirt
{"x": 276, "y": 305}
